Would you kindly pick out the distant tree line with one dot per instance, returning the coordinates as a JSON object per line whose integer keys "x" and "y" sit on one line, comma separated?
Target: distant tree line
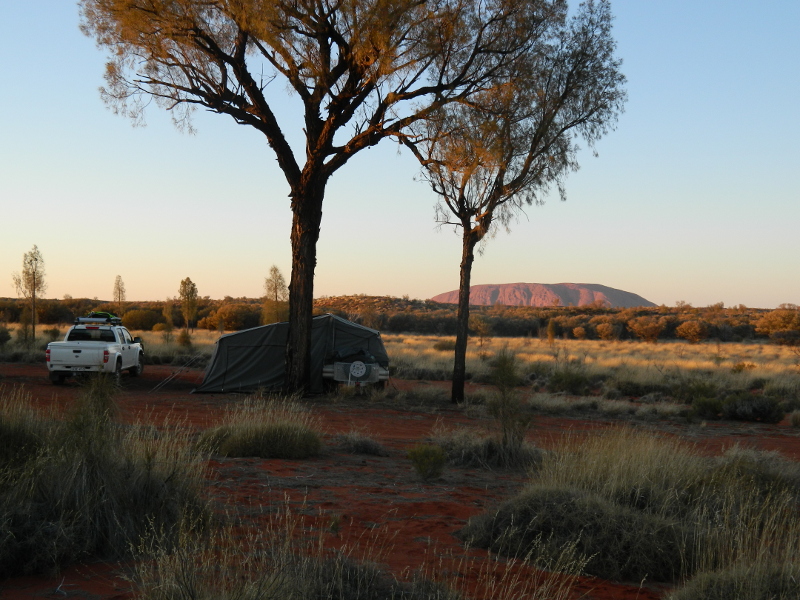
{"x": 683, "y": 321}
{"x": 404, "y": 315}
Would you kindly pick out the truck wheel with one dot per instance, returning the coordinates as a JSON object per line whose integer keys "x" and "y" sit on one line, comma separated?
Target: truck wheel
{"x": 118, "y": 371}
{"x": 139, "y": 368}
{"x": 57, "y": 379}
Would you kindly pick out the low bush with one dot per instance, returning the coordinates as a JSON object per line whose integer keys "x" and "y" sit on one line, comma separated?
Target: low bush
{"x": 5, "y": 335}
{"x": 707, "y": 408}
{"x": 184, "y": 339}
{"x": 692, "y": 388}
{"x": 428, "y": 460}
{"x": 636, "y": 389}
{"x": 265, "y": 428}
{"x": 445, "y": 345}
{"x": 746, "y": 407}
{"x": 571, "y": 380}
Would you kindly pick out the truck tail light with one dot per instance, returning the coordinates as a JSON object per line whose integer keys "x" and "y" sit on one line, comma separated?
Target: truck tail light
{"x": 47, "y": 355}
{"x": 105, "y": 356}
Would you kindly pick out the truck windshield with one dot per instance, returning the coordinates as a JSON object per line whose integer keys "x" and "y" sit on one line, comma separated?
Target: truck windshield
{"x": 91, "y": 335}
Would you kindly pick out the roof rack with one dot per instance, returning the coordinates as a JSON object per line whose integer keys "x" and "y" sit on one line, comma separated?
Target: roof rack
{"x": 98, "y": 318}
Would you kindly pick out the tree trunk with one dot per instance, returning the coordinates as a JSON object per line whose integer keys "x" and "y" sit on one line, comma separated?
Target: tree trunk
{"x": 462, "y": 317}
{"x": 307, "y": 215}
{"x": 33, "y": 311}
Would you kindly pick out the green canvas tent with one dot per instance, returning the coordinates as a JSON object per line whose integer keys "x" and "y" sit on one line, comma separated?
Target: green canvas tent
{"x": 255, "y": 358}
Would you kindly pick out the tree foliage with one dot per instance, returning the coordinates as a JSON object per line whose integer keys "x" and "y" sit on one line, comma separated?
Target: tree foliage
{"x": 362, "y": 70}
{"x": 516, "y": 139}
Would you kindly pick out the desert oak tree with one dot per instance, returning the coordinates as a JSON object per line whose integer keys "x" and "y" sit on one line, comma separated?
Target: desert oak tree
{"x": 362, "y": 71}
{"x": 30, "y": 282}
{"x": 276, "y": 294}
{"x": 188, "y": 297}
{"x": 119, "y": 294}
{"x": 488, "y": 158}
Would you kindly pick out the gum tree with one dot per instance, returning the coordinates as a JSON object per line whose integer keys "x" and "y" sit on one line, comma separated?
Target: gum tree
{"x": 504, "y": 149}
{"x": 361, "y": 71}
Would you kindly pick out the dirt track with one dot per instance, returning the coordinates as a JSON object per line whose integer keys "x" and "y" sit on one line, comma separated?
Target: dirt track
{"x": 364, "y": 494}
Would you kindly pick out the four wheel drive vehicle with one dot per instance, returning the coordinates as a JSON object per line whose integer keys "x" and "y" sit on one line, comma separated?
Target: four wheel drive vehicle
{"x": 97, "y": 343}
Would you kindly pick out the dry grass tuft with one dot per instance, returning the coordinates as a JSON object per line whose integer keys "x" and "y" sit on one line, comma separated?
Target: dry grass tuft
{"x": 265, "y": 428}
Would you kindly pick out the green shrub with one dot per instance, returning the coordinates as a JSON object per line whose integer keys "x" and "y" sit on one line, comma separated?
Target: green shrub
{"x": 265, "y": 429}
{"x": 184, "y": 339}
{"x": 707, "y": 408}
{"x": 794, "y": 418}
{"x": 428, "y": 460}
{"x": 635, "y": 389}
{"x": 51, "y": 334}
{"x": 445, "y": 345}
{"x": 504, "y": 370}
{"x": 5, "y": 335}
{"x": 570, "y": 380}
{"x": 746, "y": 407}
{"x": 692, "y": 388}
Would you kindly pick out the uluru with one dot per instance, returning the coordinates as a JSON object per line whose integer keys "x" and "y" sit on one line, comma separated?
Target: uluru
{"x": 546, "y": 294}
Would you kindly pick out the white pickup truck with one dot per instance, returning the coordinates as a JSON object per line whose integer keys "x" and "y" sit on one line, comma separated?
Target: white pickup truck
{"x": 95, "y": 344}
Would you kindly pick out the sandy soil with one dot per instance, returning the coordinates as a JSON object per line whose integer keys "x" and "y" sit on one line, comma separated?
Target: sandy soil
{"x": 367, "y": 496}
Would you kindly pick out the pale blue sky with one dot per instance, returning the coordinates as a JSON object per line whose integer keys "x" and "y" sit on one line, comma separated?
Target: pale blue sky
{"x": 695, "y": 196}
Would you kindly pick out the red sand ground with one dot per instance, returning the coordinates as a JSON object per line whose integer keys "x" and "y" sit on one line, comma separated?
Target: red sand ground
{"x": 371, "y": 498}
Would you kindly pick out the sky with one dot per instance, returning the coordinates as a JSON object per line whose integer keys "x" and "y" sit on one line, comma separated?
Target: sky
{"x": 694, "y": 197}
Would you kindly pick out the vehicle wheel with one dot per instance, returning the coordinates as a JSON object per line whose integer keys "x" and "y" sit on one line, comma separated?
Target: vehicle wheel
{"x": 57, "y": 379}
{"x": 139, "y": 368}
{"x": 118, "y": 371}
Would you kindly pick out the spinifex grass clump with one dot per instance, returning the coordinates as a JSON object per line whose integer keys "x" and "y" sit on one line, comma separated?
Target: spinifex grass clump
{"x": 265, "y": 428}
{"x": 88, "y": 486}
{"x": 358, "y": 442}
{"x": 650, "y": 507}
